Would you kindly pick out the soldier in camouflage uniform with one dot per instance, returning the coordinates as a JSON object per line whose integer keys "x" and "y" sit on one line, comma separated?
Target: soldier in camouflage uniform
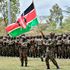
{"x": 49, "y": 51}
{"x": 64, "y": 46}
{"x": 68, "y": 47}
{"x": 1, "y": 45}
{"x": 58, "y": 46}
{"x": 12, "y": 46}
{"x": 4, "y": 46}
{"x": 22, "y": 44}
{"x": 32, "y": 48}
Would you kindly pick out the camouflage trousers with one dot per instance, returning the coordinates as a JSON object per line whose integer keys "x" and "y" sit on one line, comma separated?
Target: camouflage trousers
{"x": 50, "y": 55}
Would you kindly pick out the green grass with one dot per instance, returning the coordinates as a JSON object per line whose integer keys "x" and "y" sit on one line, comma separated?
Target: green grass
{"x": 13, "y": 63}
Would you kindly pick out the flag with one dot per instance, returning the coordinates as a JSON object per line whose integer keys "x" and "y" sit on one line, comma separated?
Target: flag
{"x": 28, "y": 17}
{"x": 15, "y": 30}
{"x": 24, "y": 23}
{"x": 21, "y": 22}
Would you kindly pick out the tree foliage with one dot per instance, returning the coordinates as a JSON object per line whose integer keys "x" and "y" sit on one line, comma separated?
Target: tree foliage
{"x": 56, "y": 12}
{"x": 14, "y": 9}
{"x": 67, "y": 10}
{"x": 56, "y": 15}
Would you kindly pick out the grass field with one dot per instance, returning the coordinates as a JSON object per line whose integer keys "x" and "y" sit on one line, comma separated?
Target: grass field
{"x": 13, "y": 63}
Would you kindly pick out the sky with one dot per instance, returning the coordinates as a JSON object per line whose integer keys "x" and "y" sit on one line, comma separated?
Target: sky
{"x": 42, "y": 6}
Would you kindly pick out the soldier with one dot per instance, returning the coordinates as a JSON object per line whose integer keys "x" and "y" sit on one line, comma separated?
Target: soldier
{"x": 1, "y": 45}
{"x": 4, "y": 46}
{"x": 49, "y": 51}
{"x": 58, "y": 46}
{"x": 22, "y": 44}
{"x": 64, "y": 46}
{"x": 68, "y": 47}
{"x": 32, "y": 48}
{"x": 42, "y": 49}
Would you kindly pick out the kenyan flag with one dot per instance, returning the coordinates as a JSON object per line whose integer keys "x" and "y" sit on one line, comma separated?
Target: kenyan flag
{"x": 24, "y": 23}
{"x": 16, "y": 30}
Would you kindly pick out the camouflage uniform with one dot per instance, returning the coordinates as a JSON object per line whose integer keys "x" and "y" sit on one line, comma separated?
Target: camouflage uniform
{"x": 1, "y": 46}
{"x": 4, "y": 47}
{"x": 49, "y": 50}
{"x": 68, "y": 47}
{"x": 22, "y": 51}
{"x": 32, "y": 48}
{"x": 59, "y": 45}
{"x": 64, "y": 46}
{"x": 50, "y": 54}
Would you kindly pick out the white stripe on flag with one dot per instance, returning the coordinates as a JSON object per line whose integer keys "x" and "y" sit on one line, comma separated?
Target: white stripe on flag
{"x": 21, "y": 22}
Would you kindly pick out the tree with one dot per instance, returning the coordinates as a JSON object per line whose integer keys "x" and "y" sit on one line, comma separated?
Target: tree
{"x": 67, "y": 10}
{"x": 14, "y": 10}
{"x": 3, "y": 8}
{"x": 56, "y": 14}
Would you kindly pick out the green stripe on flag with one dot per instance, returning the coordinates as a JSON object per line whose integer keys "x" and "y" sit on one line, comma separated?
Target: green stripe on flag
{"x": 18, "y": 31}
{"x": 33, "y": 22}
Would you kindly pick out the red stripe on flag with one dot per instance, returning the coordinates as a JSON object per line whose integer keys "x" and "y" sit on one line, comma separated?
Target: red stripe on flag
{"x": 11, "y": 27}
{"x": 30, "y": 16}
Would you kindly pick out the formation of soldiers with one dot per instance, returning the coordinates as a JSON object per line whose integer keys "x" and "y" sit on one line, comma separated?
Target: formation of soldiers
{"x": 8, "y": 45}
{"x": 35, "y": 46}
